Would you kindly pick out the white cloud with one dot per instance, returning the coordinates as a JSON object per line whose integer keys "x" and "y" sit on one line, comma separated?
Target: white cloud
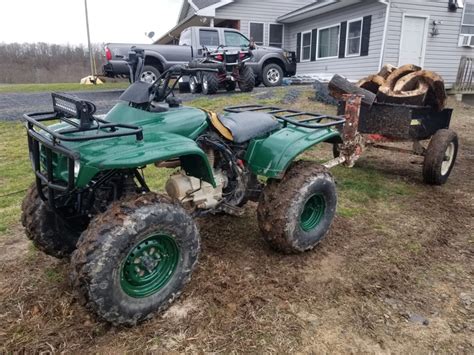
{"x": 63, "y": 21}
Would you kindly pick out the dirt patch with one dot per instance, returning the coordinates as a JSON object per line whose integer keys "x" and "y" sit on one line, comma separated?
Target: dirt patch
{"x": 399, "y": 259}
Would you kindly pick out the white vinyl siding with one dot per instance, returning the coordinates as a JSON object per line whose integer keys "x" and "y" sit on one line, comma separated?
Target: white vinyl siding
{"x": 328, "y": 42}
{"x": 354, "y": 38}
{"x": 263, "y": 11}
{"x": 443, "y": 53}
{"x": 354, "y": 67}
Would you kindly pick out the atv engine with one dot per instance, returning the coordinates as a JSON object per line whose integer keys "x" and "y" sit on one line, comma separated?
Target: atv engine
{"x": 197, "y": 193}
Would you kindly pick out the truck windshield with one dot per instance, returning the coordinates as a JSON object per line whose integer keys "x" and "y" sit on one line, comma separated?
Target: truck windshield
{"x": 208, "y": 38}
{"x": 235, "y": 39}
{"x": 185, "y": 39}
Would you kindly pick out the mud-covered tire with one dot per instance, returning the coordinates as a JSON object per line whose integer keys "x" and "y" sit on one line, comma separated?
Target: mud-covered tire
{"x": 49, "y": 232}
{"x": 247, "y": 79}
{"x": 272, "y": 75}
{"x": 230, "y": 86}
{"x": 194, "y": 85}
{"x": 440, "y": 157}
{"x": 210, "y": 83}
{"x": 104, "y": 265}
{"x": 295, "y": 214}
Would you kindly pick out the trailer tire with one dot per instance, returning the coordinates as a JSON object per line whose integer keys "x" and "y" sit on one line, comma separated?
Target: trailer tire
{"x": 49, "y": 232}
{"x": 135, "y": 258}
{"x": 247, "y": 79}
{"x": 295, "y": 214}
{"x": 440, "y": 157}
{"x": 210, "y": 83}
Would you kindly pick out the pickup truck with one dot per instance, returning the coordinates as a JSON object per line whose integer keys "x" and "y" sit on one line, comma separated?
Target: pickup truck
{"x": 269, "y": 64}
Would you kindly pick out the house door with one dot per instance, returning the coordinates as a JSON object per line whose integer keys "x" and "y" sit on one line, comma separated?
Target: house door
{"x": 413, "y": 40}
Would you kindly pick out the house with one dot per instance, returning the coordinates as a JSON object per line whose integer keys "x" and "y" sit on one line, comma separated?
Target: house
{"x": 353, "y": 38}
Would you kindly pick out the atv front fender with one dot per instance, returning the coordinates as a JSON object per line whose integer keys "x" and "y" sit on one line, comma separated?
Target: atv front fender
{"x": 131, "y": 154}
{"x": 271, "y": 156}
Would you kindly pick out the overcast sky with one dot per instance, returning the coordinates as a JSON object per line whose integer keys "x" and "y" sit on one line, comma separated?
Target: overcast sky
{"x": 63, "y": 21}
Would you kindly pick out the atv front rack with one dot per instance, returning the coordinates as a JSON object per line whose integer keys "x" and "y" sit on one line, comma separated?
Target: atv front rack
{"x": 294, "y": 117}
{"x": 78, "y": 114}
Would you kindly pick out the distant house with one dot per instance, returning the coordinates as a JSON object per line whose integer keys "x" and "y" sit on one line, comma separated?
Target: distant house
{"x": 351, "y": 37}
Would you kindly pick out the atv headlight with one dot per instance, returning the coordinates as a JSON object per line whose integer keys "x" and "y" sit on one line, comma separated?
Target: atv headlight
{"x": 77, "y": 167}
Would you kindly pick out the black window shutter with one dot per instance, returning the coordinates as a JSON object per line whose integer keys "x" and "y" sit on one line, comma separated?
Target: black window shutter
{"x": 342, "y": 42}
{"x": 298, "y": 47}
{"x": 364, "y": 49}
{"x": 314, "y": 42}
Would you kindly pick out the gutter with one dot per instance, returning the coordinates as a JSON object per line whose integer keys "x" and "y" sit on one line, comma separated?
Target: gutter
{"x": 385, "y": 29}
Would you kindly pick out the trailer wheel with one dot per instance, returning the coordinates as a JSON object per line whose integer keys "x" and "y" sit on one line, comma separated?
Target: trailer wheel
{"x": 247, "y": 79}
{"x": 210, "y": 83}
{"x": 135, "y": 258}
{"x": 440, "y": 157}
{"x": 295, "y": 214}
{"x": 49, "y": 232}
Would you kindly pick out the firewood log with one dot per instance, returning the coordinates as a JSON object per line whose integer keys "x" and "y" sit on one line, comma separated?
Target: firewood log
{"x": 413, "y": 97}
{"x": 338, "y": 86}
{"x": 398, "y": 74}
{"x": 371, "y": 83}
{"x": 386, "y": 70}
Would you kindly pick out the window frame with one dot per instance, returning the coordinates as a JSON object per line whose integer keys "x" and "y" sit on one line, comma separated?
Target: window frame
{"x": 209, "y": 30}
{"x": 282, "y": 33}
{"x": 361, "y": 19}
{"x": 302, "y": 46}
{"x": 263, "y": 32}
{"x": 462, "y": 20}
{"x": 319, "y": 42}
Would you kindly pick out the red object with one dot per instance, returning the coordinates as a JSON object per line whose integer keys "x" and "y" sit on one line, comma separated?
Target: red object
{"x": 240, "y": 163}
{"x": 378, "y": 138}
{"x": 242, "y": 55}
{"x": 108, "y": 53}
{"x": 220, "y": 57}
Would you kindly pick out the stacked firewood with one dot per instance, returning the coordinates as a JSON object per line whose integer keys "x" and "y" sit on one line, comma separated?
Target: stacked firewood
{"x": 409, "y": 85}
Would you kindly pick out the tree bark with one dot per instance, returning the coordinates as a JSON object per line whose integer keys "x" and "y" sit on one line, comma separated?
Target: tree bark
{"x": 371, "y": 83}
{"x": 338, "y": 86}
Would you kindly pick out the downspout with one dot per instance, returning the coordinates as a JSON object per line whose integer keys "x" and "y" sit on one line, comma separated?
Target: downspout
{"x": 385, "y": 29}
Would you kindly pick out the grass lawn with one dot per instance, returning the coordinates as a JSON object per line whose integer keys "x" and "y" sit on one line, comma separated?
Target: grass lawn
{"x": 18, "y": 88}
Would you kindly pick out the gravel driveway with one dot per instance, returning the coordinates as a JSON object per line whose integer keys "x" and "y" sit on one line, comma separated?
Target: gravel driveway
{"x": 14, "y": 105}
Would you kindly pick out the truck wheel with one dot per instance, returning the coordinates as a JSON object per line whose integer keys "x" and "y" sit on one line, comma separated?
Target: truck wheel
{"x": 194, "y": 86}
{"x": 135, "y": 258}
{"x": 230, "y": 86}
{"x": 440, "y": 157}
{"x": 49, "y": 232}
{"x": 149, "y": 74}
{"x": 294, "y": 214}
{"x": 272, "y": 75}
{"x": 247, "y": 79}
{"x": 210, "y": 83}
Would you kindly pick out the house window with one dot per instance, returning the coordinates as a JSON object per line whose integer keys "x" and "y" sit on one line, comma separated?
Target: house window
{"x": 306, "y": 46}
{"x": 468, "y": 19}
{"x": 276, "y": 35}
{"x": 256, "y": 33}
{"x": 328, "y": 42}
{"x": 354, "y": 38}
{"x": 208, "y": 38}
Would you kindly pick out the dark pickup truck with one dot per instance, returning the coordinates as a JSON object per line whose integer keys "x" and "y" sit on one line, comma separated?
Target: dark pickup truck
{"x": 269, "y": 64}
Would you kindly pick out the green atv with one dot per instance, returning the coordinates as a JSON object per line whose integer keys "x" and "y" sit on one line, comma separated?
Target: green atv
{"x": 132, "y": 251}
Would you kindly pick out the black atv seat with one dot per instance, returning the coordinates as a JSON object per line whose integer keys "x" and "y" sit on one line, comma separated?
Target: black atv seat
{"x": 247, "y": 125}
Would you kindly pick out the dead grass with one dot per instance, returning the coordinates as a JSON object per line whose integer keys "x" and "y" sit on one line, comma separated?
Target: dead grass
{"x": 397, "y": 248}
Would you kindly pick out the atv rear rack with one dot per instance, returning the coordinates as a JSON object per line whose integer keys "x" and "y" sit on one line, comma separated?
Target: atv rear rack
{"x": 294, "y": 117}
{"x": 79, "y": 115}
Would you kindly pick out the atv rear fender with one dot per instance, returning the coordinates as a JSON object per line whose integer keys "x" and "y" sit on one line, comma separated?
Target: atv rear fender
{"x": 271, "y": 156}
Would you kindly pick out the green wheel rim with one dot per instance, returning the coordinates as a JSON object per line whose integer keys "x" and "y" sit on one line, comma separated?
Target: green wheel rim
{"x": 313, "y": 212}
{"x": 149, "y": 266}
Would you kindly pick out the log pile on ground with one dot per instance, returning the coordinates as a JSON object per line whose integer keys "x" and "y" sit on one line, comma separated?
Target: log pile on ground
{"x": 407, "y": 85}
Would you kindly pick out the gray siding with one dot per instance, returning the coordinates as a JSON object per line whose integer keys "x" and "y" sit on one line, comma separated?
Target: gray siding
{"x": 266, "y": 11}
{"x": 353, "y": 67}
{"x": 442, "y": 51}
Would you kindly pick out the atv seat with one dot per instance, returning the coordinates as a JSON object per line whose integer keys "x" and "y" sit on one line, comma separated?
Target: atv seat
{"x": 245, "y": 126}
